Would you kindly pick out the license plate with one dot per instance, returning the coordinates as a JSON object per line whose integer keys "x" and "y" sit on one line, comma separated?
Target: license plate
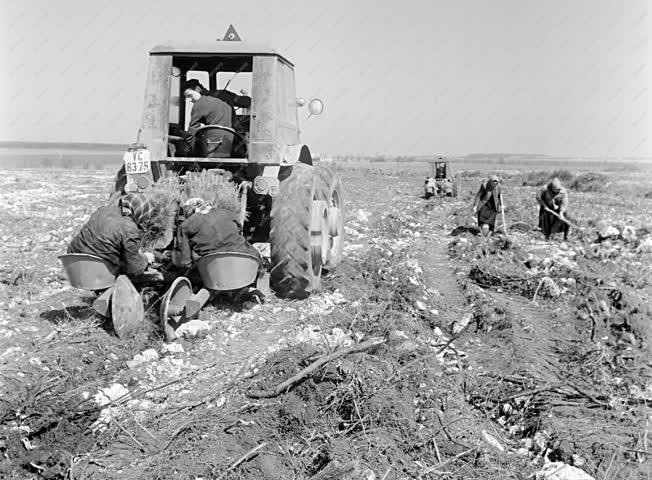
{"x": 137, "y": 162}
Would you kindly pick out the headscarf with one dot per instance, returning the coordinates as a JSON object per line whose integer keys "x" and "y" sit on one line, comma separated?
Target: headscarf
{"x": 492, "y": 181}
{"x": 555, "y": 185}
{"x": 196, "y": 205}
{"x": 137, "y": 206}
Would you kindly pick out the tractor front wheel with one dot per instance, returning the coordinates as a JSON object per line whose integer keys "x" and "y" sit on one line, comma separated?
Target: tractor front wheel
{"x": 299, "y": 234}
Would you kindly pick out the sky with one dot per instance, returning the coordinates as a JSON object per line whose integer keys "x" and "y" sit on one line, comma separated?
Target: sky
{"x": 448, "y": 77}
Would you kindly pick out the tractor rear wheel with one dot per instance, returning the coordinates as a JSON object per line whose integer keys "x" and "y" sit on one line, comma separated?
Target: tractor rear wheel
{"x": 298, "y": 234}
{"x": 329, "y": 189}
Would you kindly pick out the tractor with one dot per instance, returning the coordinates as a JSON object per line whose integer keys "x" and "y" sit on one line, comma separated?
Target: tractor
{"x": 291, "y": 201}
{"x": 441, "y": 182}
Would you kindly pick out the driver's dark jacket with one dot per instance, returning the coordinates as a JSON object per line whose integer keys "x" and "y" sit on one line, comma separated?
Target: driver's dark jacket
{"x": 234, "y": 100}
{"x": 211, "y": 111}
{"x": 201, "y": 234}
{"x": 114, "y": 237}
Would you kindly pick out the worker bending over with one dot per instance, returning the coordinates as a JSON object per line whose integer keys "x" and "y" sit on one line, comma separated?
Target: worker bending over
{"x": 488, "y": 202}
{"x": 553, "y": 205}
{"x": 114, "y": 233}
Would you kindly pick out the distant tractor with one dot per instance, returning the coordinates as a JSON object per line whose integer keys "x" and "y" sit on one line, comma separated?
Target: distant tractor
{"x": 441, "y": 182}
{"x": 292, "y": 203}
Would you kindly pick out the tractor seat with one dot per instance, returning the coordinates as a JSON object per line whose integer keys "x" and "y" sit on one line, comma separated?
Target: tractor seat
{"x": 88, "y": 272}
{"x": 227, "y": 270}
{"x": 214, "y": 141}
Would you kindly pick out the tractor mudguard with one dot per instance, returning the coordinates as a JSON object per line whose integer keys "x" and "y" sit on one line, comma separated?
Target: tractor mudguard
{"x": 291, "y": 154}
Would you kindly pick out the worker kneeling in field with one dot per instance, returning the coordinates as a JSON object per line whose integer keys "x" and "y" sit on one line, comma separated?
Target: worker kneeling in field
{"x": 113, "y": 233}
{"x": 553, "y": 204}
{"x": 447, "y": 188}
{"x": 487, "y": 203}
{"x": 205, "y": 229}
{"x": 430, "y": 187}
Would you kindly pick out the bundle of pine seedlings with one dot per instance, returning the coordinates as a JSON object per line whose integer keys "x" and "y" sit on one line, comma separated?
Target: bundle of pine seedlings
{"x": 215, "y": 189}
{"x": 165, "y": 195}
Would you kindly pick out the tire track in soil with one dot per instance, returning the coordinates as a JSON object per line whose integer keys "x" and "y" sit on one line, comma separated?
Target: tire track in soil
{"x": 535, "y": 327}
{"x": 432, "y": 251}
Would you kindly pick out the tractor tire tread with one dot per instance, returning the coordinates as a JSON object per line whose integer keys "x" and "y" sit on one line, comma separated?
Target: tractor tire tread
{"x": 292, "y": 274}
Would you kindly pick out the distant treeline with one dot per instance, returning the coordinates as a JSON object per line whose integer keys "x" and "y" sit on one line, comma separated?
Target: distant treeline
{"x": 64, "y": 145}
{"x": 67, "y": 161}
{"x": 506, "y": 159}
{"x": 94, "y": 156}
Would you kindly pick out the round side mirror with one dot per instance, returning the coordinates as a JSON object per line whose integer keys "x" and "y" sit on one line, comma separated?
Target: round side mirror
{"x": 316, "y": 106}
{"x": 301, "y": 101}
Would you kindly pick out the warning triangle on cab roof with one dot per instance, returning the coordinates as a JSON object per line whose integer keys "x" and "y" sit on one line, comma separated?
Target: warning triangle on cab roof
{"x": 231, "y": 35}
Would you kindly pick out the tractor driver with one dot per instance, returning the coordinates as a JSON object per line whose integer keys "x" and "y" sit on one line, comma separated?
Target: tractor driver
{"x": 208, "y": 110}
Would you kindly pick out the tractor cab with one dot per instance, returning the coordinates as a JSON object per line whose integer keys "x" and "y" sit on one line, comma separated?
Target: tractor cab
{"x": 256, "y": 82}
{"x": 227, "y": 79}
{"x": 248, "y": 78}
{"x": 439, "y": 170}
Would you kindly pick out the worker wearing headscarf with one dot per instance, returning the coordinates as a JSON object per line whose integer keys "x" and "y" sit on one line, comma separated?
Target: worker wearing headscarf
{"x": 196, "y": 205}
{"x": 136, "y": 206}
{"x": 553, "y": 204}
{"x": 206, "y": 229}
{"x": 113, "y": 233}
{"x": 487, "y": 202}
{"x": 430, "y": 187}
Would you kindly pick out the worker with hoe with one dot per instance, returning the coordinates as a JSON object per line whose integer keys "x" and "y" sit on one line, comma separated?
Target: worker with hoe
{"x": 209, "y": 110}
{"x": 553, "y": 205}
{"x": 487, "y": 203}
{"x": 115, "y": 233}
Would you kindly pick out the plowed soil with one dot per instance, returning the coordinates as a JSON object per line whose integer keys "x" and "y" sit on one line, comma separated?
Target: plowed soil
{"x": 474, "y": 377}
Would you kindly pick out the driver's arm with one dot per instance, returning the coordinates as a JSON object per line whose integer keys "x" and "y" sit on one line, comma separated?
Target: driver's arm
{"x": 242, "y": 101}
{"x": 197, "y": 116}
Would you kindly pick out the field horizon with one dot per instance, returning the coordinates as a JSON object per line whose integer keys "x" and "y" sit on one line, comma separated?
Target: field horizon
{"x": 99, "y": 156}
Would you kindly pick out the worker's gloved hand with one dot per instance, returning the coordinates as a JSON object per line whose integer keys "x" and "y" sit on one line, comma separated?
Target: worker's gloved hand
{"x": 163, "y": 257}
{"x": 149, "y": 256}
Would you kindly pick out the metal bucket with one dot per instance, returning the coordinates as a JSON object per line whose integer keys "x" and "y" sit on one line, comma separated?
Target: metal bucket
{"x": 227, "y": 270}
{"x": 88, "y": 272}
